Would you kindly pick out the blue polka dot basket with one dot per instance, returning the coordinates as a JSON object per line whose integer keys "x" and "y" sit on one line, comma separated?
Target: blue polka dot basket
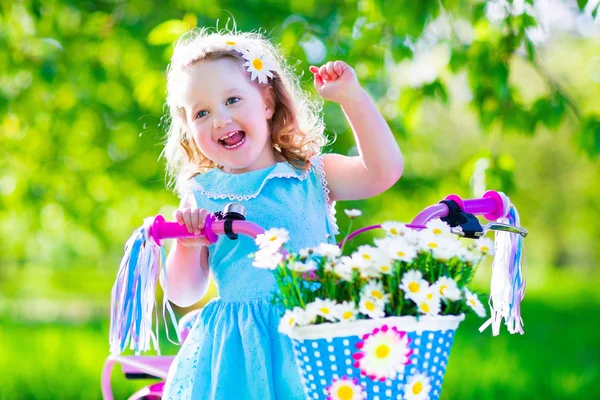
{"x": 388, "y": 358}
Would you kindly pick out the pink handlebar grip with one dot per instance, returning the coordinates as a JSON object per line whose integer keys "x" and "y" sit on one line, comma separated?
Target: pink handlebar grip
{"x": 161, "y": 229}
{"x": 492, "y": 205}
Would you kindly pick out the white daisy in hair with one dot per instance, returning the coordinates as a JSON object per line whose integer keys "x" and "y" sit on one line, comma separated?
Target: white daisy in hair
{"x": 394, "y": 228}
{"x": 325, "y": 308}
{"x": 372, "y": 308}
{"x": 346, "y": 311}
{"x": 258, "y": 64}
{"x": 375, "y": 290}
{"x": 413, "y": 285}
{"x": 485, "y": 246}
{"x": 382, "y": 264}
{"x": 328, "y": 250}
{"x": 345, "y": 389}
{"x": 473, "y": 301}
{"x": 274, "y": 238}
{"x": 447, "y": 289}
{"x": 417, "y": 387}
{"x": 400, "y": 249}
{"x": 438, "y": 227}
{"x": 267, "y": 258}
{"x": 299, "y": 266}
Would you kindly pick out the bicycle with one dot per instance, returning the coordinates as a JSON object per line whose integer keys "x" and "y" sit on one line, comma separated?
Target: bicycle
{"x": 458, "y": 213}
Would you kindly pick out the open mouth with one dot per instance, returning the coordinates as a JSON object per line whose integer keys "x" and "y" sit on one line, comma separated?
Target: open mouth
{"x": 233, "y": 139}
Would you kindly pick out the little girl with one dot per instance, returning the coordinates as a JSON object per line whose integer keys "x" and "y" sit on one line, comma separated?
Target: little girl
{"x": 243, "y": 131}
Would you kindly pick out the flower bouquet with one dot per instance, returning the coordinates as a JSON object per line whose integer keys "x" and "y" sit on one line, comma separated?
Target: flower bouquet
{"x": 378, "y": 323}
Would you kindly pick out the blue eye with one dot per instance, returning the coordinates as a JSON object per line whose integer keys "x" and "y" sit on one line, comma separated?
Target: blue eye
{"x": 201, "y": 114}
{"x": 232, "y": 100}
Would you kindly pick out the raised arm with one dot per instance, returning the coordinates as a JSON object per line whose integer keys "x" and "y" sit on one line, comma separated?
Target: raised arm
{"x": 379, "y": 164}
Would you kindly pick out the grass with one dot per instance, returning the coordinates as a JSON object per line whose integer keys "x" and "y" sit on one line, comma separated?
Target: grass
{"x": 557, "y": 358}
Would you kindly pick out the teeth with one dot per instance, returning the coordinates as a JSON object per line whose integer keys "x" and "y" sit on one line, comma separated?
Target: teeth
{"x": 235, "y": 145}
{"x": 228, "y": 136}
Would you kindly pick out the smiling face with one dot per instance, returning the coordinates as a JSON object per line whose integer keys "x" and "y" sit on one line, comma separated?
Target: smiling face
{"x": 227, "y": 116}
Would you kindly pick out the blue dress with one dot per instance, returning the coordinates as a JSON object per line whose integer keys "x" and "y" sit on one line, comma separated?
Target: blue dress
{"x": 234, "y": 350}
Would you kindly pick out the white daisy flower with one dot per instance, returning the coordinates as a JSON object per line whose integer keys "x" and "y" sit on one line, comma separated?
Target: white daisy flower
{"x": 394, "y": 228}
{"x": 267, "y": 258}
{"x": 417, "y": 387}
{"x": 274, "y": 237}
{"x": 366, "y": 253}
{"x": 382, "y": 264}
{"x": 383, "y": 353}
{"x": 346, "y": 311}
{"x": 485, "y": 246}
{"x": 438, "y": 227}
{"x": 290, "y": 319}
{"x": 468, "y": 256}
{"x": 429, "y": 303}
{"x": 400, "y": 249}
{"x": 429, "y": 241}
{"x": 372, "y": 308}
{"x": 343, "y": 270}
{"x": 305, "y": 253}
{"x": 447, "y": 288}
{"x": 259, "y": 65}
{"x": 328, "y": 250}
{"x": 413, "y": 285}
{"x": 375, "y": 290}
{"x": 325, "y": 308}
{"x": 445, "y": 252}
{"x": 345, "y": 389}
{"x": 299, "y": 266}
{"x": 353, "y": 213}
{"x": 473, "y": 301}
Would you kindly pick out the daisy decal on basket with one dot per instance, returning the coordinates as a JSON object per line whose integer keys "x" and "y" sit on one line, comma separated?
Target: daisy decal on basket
{"x": 272, "y": 238}
{"x": 383, "y": 353}
{"x": 417, "y": 387}
{"x": 346, "y": 311}
{"x": 372, "y": 308}
{"x": 413, "y": 285}
{"x": 473, "y": 301}
{"x": 447, "y": 289}
{"x": 259, "y": 65}
{"x": 345, "y": 389}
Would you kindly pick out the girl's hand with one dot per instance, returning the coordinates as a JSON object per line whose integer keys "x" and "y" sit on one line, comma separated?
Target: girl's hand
{"x": 336, "y": 81}
{"x": 193, "y": 219}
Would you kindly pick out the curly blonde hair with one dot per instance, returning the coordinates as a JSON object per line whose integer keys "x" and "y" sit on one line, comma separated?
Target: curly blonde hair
{"x": 296, "y": 128}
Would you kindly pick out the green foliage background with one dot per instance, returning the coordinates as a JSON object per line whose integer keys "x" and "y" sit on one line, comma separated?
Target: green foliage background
{"x": 474, "y": 104}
